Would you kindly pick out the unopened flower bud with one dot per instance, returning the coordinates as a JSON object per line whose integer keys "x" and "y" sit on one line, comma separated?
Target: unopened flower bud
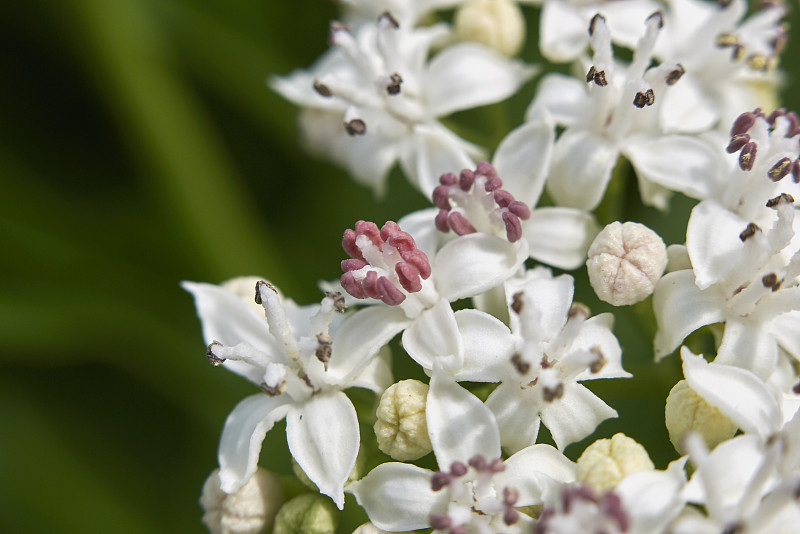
{"x": 625, "y": 262}
{"x": 308, "y": 513}
{"x": 687, "y": 411}
{"x": 401, "y": 428}
{"x": 606, "y": 462}
{"x": 250, "y": 510}
{"x": 498, "y": 24}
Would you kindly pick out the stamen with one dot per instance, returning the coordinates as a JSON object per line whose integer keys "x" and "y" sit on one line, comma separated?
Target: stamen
{"x": 439, "y": 480}
{"x": 747, "y": 157}
{"x": 273, "y": 391}
{"x": 578, "y": 309}
{"x": 440, "y": 522}
{"x": 338, "y": 300}
{"x": 783, "y": 198}
{"x": 643, "y": 99}
{"x": 478, "y": 462}
{"x": 599, "y": 362}
{"x": 267, "y": 285}
{"x": 324, "y": 351}
{"x": 333, "y": 28}
{"x": 675, "y": 75}
{"x": 749, "y": 231}
{"x": 458, "y": 469}
{"x": 612, "y": 507}
{"x": 590, "y": 74}
{"x": 727, "y": 39}
{"x": 595, "y": 19}
{"x": 552, "y": 394}
{"x": 519, "y": 364}
{"x": 737, "y": 142}
{"x": 213, "y": 359}
{"x": 743, "y": 123}
{"x": 394, "y": 84}
{"x": 356, "y": 127}
{"x": 388, "y": 17}
{"x": 517, "y": 302}
{"x": 322, "y": 89}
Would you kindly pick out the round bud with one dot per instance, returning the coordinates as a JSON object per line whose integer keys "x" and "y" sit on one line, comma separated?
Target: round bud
{"x": 687, "y": 411}
{"x": 606, "y": 462}
{"x": 498, "y": 24}
{"x": 244, "y": 287}
{"x": 625, "y": 262}
{"x": 401, "y": 427}
{"x": 250, "y": 510}
{"x": 308, "y": 513}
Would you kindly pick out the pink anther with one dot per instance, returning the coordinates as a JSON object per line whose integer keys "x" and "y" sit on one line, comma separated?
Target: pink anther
{"x": 513, "y": 227}
{"x": 418, "y": 259}
{"x": 352, "y": 264}
{"x": 466, "y": 179}
{"x": 459, "y": 223}
{"x": 408, "y": 275}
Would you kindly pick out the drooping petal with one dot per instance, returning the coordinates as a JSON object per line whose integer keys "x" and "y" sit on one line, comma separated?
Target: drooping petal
{"x": 433, "y": 334}
{"x": 523, "y": 158}
{"x": 681, "y": 309}
{"x": 397, "y": 496}
{"x": 560, "y": 236}
{"x": 581, "y": 169}
{"x": 242, "y": 435}
{"x": 488, "y": 345}
{"x": 516, "y": 412}
{"x": 459, "y": 424}
{"x": 575, "y": 415}
{"x": 739, "y": 394}
{"x": 537, "y": 472}
{"x": 325, "y": 452}
{"x": 469, "y": 75}
{"x": 491, "y": 261}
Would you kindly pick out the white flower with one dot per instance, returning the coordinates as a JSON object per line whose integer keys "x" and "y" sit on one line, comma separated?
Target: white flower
{"x": 405, "y": 11}
{"x": 302, "y": 369}
{"x": 375, "y": 99}
{"x": 616, "y": 111}
{"x": 498, "y": 24}
{"x": 475, "y": 490}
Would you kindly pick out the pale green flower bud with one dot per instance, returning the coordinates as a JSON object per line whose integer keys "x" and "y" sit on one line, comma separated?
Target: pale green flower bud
{"x": 307, "y": 514}
{"x": 250, "y": 510}
{"x": 498, "y": 24}
{"x": 606, "y": 462}
{"x": 687, "y": 411}
{"x": 401, "y": 428}
{"x": 625, "y": 262}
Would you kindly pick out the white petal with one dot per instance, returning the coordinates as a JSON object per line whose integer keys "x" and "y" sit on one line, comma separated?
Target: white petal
{"x": 681, "y": 309}
{"x": 560, "y": 236}
{"x": 431, "y": 151}
{"x": 537, "y": 472}
{"x": 596, "y": 333}
{"x": 550, "y": 299}
{"x": 360, "y": 336}
{"x": 713, "y": 242}
{"x": 488, "y": 345}
{"x": 420, "y": 224}
{"x": 397, "y": 496}
{"x": 376, "y": 375}
{"x": 748, "y": 345}
{"x": 517, "y": 414}
{"x": 433, "y": 334}
{"x": 523, "y": 158}
{"x": 581, "y": 169}
{"x": 563, "y": 97}
{"x": 325, "y": 452}
{"x": 652, "y": 498}
{"x": 787, "y": 333}
{"x": 575, "y": 415}
{"x": 491, "y": 261}
{"x": 685, "y": 107}
{"x": 678, "y": 162}
{"x": 564, "y": 34}
{"x": 242, "y": 435}
{"x": 459, "y": 424}
{"x": 737, "y": 393}
{"x": 469, "y": 75}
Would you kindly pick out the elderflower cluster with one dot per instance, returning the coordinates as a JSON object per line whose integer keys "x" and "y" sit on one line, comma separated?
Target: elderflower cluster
{"x": 475, "y": 288}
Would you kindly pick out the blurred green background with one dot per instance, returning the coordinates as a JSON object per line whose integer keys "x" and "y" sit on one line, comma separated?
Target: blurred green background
{"x": 140, "y": 147}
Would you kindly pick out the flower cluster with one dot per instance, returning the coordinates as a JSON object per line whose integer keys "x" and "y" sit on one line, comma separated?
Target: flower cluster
{"x": 475, "y": 290}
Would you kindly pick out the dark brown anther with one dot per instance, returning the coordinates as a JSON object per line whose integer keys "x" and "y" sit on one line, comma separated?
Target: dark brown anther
{"x": 675, "y": 75}
{"x": 387, "y": 16}
{"x": 737, "y": 142}
{"x": 338, "y": 300}
{"x": 259, "y": 285}
{"x": 780, "y": 112}
{"x": 796, "y": 389}
{"x": 600, "y": 78}
{"x": 590, "y": 74}
{"x": 597, "y": 17}
{"x": 517, "y": 302}
{"x": 780, "y": 169}
{"x": 578, "y": 309}
{"x": 643, "y": 99}
{"x": 322, "y": 89}
{"x": 599, "y": 361}
{"x": 796, "y": 171}
{"x": 783, "y": 198}
{"x": 737, "y": 52}
{"x": 747, "y": 157}
{"x": 324, "y": 347}
{"x": 545, "y": 363}
{"x": 356, "y": 127}
{"x": 394, "y": 84}
{"x": 519, "y": 364}
{"x": 273, "y": 391}
{"x": 213, "y": 359}
{"x": 743, "y": 122}
{"x": 657, "y": 16}
{"x": 726, "y": 39}
{"x": 749, "y": 231}
{"x": 553, "y": 394}
{"x": 769, "y": 280}
{"x": 333, "y": 27}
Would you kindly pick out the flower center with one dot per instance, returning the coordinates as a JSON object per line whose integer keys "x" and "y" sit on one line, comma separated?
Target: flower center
{"x": 581, "y": 510}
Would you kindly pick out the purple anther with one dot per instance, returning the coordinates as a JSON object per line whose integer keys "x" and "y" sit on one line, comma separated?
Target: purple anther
{"x": 543, "y": 522}
{"x": 510, "y": 516}
{"x": 493, "y": 184}
{"x": 796, "y": 389}
{"x": 737, "y": 142}
{"x": 510, "y": 496}
{"x": 353, "y": 265}
{"x": 497, "y": 466}
{"x": 796, "y": 171}
{"x": 571, "y": 494}
{"x": 441, "y": 221}
{"x": 439, "y": 480}
{"x": 369, "y": 229}
{"x": 478, "y": 462}
{"x": 758, "y": 112}
{"x": 408, "y": 275}
{"x": 503, "y": 198}
{"x": 350, "y": 285}
{"x": 780, "y": 112}
{"x": 459, "y": 223}
{"x": 441, "y": 198}
{"x": 612, "y": 507}
{"x": 349, "y": 244}
{"x": 402, "y": 241}
{"x": 520, "y": 209}
{"x": 743, "y": 122}
{"x": 778, "y": 171}
{"x": 513, "y": 227}
{"x": 440, "y": 522}
{"x": 458, "y": 469}
{"x": 466, "y": 179}
{"x": 448, "y": 179}
{"x": 418, "y": 259}
{"x": 370, "y": 285}
{"x": 389, "y": 294}
{"x": 484, "y": 168}
{"x": 747, "y": 157}
{"x": 794, "y": 124}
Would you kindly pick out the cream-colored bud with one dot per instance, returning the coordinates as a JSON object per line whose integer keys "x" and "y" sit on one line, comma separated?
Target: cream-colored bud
{"x": 498, "y": 24}
{"x": 687, "y": 411}
{"x": 369, "y": 528}
{"x": 250, "y": 510}
{"x": 606, "y": 462}
{"x": 308, "y": 513}
{"x": 625, "y": 262}
{"x": 244, "y": 287}
{"x": 401, "y": 428}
